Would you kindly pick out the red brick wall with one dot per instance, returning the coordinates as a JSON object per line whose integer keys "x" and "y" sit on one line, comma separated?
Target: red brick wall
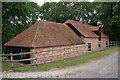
{"x": 81, "y": 48}
{"x": 71, "y": 49}
{"x": 103, "y": 42}
{"x": 94, "y": 43}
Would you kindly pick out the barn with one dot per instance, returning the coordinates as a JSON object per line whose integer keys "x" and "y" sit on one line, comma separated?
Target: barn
{"x": 57, "y": 38}
{"x": 91, "y": 35}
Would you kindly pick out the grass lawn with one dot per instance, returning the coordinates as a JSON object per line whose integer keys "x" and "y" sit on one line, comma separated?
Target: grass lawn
{"x": 61, "y": 63}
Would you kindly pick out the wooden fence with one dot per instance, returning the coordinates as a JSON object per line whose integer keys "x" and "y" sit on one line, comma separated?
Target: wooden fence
{"x": 11, "y": 55}
{"x": 16, "y": 54}
{"x": 112, "y": 43}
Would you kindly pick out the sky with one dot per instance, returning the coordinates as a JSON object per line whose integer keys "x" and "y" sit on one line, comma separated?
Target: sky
{"x": 41, "y": 2}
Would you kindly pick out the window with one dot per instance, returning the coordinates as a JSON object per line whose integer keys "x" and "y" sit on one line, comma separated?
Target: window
{"x": 89, "y": 46}
{"x": 99, "y": 38}
{"x": 99, "y": 44}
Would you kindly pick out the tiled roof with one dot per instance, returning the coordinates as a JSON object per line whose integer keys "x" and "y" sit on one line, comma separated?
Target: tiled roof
{"x": 85, "y": 29}
{"x": 45, "y": 34}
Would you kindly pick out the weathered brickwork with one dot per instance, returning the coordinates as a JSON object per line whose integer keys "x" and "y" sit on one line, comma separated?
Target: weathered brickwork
{"x": 103, "y": 42}
{"x": 94, "y": 43}
{"x": 57, "y": 53}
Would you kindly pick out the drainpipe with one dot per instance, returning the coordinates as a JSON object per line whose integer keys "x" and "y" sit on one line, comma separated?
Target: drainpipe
{"x": 99, "y": 32}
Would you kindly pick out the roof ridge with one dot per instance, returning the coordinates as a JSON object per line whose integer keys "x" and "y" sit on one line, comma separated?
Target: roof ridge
{"x": 82, "y": 23}
{"x": 35, "y": 35}
{"x": 52, "y": 22}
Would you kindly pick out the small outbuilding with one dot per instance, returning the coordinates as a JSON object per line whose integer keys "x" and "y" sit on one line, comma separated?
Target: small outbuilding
{"x": 46, "y": 35}
{"x": 91, "y": 35}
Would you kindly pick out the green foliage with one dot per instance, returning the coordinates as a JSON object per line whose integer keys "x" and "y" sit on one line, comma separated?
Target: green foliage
{"x": 62, "y": 11}
{"x": 57, "y": 12}
{"x": 104, "y": 13}
{"x": 110, "y": 18}
{"x": 16, "y": 17}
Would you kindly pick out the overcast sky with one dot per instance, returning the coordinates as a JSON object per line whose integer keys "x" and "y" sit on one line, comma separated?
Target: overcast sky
{"x": 41, "y": 2}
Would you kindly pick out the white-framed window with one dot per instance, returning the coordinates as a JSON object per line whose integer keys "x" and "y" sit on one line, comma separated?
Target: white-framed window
{"x": 99, "y": 44}
{"x": 89, "y": 46}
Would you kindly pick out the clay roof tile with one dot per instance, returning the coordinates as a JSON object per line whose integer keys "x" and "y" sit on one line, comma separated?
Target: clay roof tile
{"x": 85, "y": 29}
{"x": 45, "y": 34}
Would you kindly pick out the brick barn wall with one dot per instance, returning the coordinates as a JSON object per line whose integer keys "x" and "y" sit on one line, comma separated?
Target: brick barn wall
{"x": 93, "y": 41}
{"x": 54, "y": 54}
{"x": 73, "y": 49}
{"x": 103, "y": 42}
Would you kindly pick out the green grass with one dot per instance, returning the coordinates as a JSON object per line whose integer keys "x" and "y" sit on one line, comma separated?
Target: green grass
{"x": 61, "y": 63}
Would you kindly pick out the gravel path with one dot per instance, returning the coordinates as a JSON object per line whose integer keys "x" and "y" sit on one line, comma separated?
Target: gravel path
{"x": 104, "y": 68}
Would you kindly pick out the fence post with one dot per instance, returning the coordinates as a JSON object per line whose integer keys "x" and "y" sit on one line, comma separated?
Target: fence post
{"x": 115, "y": 43}
{"x": 108, "y": 43}
{"x": 3, "y": 58}
{"x": 11, "y": 57}
{"x": 112, "y": 43}
{"x": 36, "y": 60}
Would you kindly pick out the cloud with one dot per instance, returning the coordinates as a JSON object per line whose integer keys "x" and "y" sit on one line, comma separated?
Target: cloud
{"x": 41, "y": 2}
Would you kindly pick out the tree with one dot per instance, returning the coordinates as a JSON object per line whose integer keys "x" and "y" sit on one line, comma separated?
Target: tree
{"x": 57, "y": 12}
{"x": 109, "y": 16}
{"x": 105, "y": 13}
{"x": 16, "y": 17}
{"x": 61, "y": 11}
